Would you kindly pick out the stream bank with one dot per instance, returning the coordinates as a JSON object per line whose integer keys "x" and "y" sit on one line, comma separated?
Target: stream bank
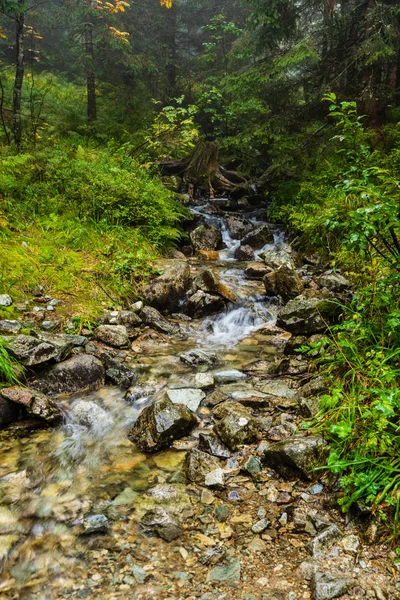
{"x": 229, "y": 504}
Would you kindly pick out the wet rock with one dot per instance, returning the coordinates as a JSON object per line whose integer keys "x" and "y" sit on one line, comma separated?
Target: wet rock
{"x": 210, "y": 444}
{"x": 206, "y": 237}
{"x": 10, "y": 327}
{"x": 234, "y": 425}
{"x": 198, "y": 357}
{"x": 9, "y": 412}
{"x": 258, "y": 238}
{"x": 208, "y": 282}
{"x": 283, "y": 282}
{"x": 256, "y": 270}
{"x": 5, "y": 300}
{"x": 115, "y": 372}
{"x": 113, "y": 335}
{"x": 334, "y": 282}
{"x": 161, "y": 522}
{"x": 154, "y": 319}
{"x": 215, "y": 479}
{"x": 244, "y": 253}
{"x": 89, "y": 414}
{"x": 166, "y": 291}
{"x": 76, "y": 374}
{"x": 129, "y": 318}
{"x": 228, "y": 573}
{"x": 295, "y": 457}
{"x": 35, "y": 403}
{"x": 327, "y": 586}
{"x": 31, "y": 351}
{"x": 305, "y": 316}
{"x": 238, "y": 227}
{"x": 191, "y": 398}
{"x": 199, "y": 464}
{"x": 204, "y": 381}
{"x": 229, "y": 376}
{"x": 95, "y": 524}
{"x": 160, "y": 424}
{"x": 201, "y": 304}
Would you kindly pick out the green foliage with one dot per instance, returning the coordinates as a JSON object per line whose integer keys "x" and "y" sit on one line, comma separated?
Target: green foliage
{"x": 10, "y": 369}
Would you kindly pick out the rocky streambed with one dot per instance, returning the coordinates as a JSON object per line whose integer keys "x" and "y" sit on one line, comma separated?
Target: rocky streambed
{"x": 162, "y": 455}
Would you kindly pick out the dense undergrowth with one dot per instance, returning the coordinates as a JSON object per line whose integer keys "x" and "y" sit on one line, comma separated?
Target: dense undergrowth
{"x": 348, "y": 208}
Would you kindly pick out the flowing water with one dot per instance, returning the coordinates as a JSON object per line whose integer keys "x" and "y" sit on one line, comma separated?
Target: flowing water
{"x": 51, "y": 478}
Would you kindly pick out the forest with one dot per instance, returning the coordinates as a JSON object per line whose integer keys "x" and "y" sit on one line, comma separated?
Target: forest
{"x": 209, "y": 176}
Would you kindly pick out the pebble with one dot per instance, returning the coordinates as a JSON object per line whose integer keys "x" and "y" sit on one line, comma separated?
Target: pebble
{"x": 252, "y": 466}
{"x": 215, "y": 478}
{"x": 260, "y": 526}
{"x": 95, "y": 523}
{"x": 222, "y": 513}
{"x": 316, "y": 489}
{"x": 5, "y": 300}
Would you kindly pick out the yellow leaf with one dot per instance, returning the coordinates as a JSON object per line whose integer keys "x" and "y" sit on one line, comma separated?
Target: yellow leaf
{"x": 166, "y": 3}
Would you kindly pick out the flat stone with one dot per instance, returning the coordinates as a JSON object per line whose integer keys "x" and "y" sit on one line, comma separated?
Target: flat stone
{"x": 229, "y": 376}
{"x": 228, "y": 573}
{"x": 204, "y": 381}
{"x": 139, "y": 574}
{"x": 5, "y": 300}
{"x": 89, "y": 414}
{"x": 252, "y": 466}
{"x": 189, "y": 397}
{"x": 324, "y": 541}
{"x": 351, "y": 544}
{"x": 155, "y": 320}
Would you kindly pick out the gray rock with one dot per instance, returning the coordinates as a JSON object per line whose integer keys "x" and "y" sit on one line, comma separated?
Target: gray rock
{"x": 324, "y": 541}
{"x": 334, "y": 282}
{"x": 191, "y": 398}
{"x": 166, "y": 291}
{"x": 199, "y": 464}
{"x": 154, "y": 319}
{"x": 5, "y": 300}
{"x": 10, "y": 327}
{"x": 295, "y": 457}
{"x": 238, "y": 227}
{"x": 9, "y": 412}
{"x": 229, "y": 376}
{"x": 214, "y": 555}
{"x": 326, "y": 586}
{"x": 201, "y": 304}
{"x": 234, "y": 424}
{"x": 115, "y": 372}
{"x": 244, "y": 253}
{"x": 260, "y": 526}
{"x": 139, "y": 574}
{"x": 198, "y": 357}
{"x": 351, "y": 544}
{"x": 215, "y": 479}
{"x": 204, "y": 381}
{"x": 206, "y": 237}
{"x": 283, "y": 282}
{"x": 228, "y": 573}
{"x": 31, "y": 351}
{"x": 50, "y": 325}
{"x": 162, "y": 523}
{"x": 210, "y": 444}
{"x": 258, "y": 238}
{"x": 95, "y": 524}
{"x": 256, "y": 270}
{"x": 129, "y": 318}
{"x": 35, "y": 403}
{"x": 305, "y": 316}
{"x": 275, "y": 258}
{"x": 161, "y": 423}
{"x": 76, "y": 340}
{"x": 252, "y": 466}
{"x": 61, "y": 342}
{"x": 89, "y": 414}
{"x": 113, "y": 335}
{"x": 77, "y": 374}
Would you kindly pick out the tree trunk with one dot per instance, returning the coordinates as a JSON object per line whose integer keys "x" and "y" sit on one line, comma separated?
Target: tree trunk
{"x": 19, "y": 75}
{"x": 90, "y": 77}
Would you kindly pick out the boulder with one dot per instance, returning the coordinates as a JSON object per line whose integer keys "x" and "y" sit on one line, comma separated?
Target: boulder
{"x": 116, "y": 372}
{"x": 198, "y": 357}
{"x": 10, "y": 327}
{"x": 305, "y": 316}
{"x": 31, "y": 351}
{"x": 238, "y": 227}
{"x": 334, "y": 282}
{"x": 283, "y": 282}
{"x": 156, "y": 321}
{"x": 113, "y": 335}
{"x": 274, "y": 258}
{"x": 9, "y": 412}
{"x": 256, "y": 270}
{"x": 76, "y": 374}
{"x": 201, "y": 304}
{"x": 89, "y": 414}
{"x": 258, "y": 238}
{"x": 296, "y": 457}
{"x": 206, "y": 237}
{"x": 129, "y": 318}
{"x": 161, "y": 522}
{"x": 160, "y": 424}
{"x": 191, "y": 398}
{"x": 166, "y": 291}
{"x": 199, "y": 464}
{"x": 245, "y": 253}
{"x": 234, "y": 424}
{"x": 35, "y": 403}
{"x": 62, "y": 343}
